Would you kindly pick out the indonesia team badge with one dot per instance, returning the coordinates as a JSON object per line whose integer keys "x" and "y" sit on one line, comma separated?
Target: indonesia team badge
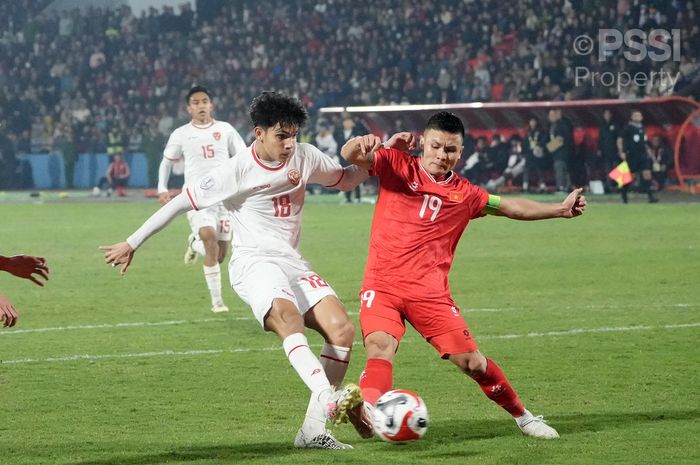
{"x": 294, "y": 177}
{"x": 217, "y": 136}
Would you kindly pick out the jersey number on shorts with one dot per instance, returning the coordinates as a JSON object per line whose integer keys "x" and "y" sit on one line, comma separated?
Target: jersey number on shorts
{"x": 430, "y": 202}
{"x": 283, "y": 206}
{"x": 208, "y": 151}
{"x": 368, "y": 298}
{"x": 315, "y": 281}
{"x": 225, "y": 226}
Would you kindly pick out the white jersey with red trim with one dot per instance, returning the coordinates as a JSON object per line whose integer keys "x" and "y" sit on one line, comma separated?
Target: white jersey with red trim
{"x": 266, "y": 200}
{"x": 203, "y": 148}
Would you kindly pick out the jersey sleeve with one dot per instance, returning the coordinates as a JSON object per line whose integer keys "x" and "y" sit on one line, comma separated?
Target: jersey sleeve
{"x": 236, "y": 143}
{"x": 173, "y": 149}
{"x": 321, "y": 168}
{"x": 477, "y": 198}
{"x": 384, "y": 161}
{"x": 214, "y": 187}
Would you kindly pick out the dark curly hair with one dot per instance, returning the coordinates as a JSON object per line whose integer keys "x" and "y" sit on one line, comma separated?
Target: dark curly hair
{"x": 271, "y": 108}
{"x": 446, "y": 122}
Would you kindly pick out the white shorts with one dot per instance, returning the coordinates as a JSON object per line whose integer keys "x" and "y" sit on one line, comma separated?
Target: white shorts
{"x": 216, "y": 216}
{"x": 260, "y": 280}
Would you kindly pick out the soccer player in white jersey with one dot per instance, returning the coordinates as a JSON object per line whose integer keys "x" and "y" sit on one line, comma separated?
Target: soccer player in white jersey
{"x": 264, "y": 189}
{"x": 205, "y": 144}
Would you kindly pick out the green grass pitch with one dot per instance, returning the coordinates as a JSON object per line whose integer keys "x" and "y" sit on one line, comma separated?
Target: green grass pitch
{"x": 596, "y": 321}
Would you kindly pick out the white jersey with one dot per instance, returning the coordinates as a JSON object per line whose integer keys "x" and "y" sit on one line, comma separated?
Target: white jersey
{"x": 265, "y": 200}
{"x": 203, "y": 148}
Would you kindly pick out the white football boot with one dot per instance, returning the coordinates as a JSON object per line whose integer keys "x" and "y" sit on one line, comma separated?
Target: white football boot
{"x": 536, "y": 427}
{"x": 324, "y": 440}
{"x": 190, "y": 254}
{"x": 219, "y": 308}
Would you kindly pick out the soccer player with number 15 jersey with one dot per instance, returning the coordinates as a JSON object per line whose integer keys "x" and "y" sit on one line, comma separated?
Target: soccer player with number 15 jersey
{"x": 422, "y": 210}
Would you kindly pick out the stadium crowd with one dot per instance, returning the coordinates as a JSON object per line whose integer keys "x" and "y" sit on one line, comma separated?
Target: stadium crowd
{"x": 96, "y": 80}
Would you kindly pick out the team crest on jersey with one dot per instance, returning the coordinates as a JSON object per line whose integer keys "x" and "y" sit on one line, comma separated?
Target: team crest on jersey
{"x": 456, "y": 196}
{"x": 413, "y": 186}
{"x": 294, "y": 177}
{"x": 206, "y": 183}
{"x": 217, "y": 136}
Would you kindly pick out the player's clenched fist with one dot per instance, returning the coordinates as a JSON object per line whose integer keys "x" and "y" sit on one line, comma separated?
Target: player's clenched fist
{"x": 368, "y": 143}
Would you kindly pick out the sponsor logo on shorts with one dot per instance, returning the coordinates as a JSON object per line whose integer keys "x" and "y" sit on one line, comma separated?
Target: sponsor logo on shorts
{"x": 206, "y": 183}
{"x": 294, "y": 177}
{"x": 456, "y": 196}
{"x": 217, "y": 135}
{"x": 455, "y": 311}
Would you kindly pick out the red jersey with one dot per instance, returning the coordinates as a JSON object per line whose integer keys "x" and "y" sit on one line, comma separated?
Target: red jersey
{"x": 417, "y": 224}
{"x": 119, "y": 169}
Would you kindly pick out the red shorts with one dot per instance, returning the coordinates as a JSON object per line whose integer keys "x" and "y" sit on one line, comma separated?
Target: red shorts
{"x": 438, "y": 321}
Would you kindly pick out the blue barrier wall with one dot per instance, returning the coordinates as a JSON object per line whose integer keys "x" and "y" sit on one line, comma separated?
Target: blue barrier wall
{"x": 48, "y": 170}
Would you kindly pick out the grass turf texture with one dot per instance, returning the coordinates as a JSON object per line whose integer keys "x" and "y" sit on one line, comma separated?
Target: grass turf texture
{"x": 623, "y": 392}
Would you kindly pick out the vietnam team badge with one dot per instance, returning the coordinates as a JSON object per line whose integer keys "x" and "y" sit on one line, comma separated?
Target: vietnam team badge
{"x": 217, "y": 135}
{"x": 294, "y": 177}
{"x": 456, "y": 196}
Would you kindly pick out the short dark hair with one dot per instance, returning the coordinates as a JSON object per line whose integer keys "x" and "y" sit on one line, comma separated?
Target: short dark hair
{"x": 271, "y": 108}
{"x": 194, "y": 90}
{"x": 446, "y": 122}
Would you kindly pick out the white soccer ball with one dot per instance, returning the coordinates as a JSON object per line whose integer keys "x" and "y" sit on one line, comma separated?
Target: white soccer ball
{"x": 400, "y": 416}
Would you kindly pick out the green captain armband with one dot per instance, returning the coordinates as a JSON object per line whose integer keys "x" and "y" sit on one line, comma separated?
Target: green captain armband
{"x": 492, "y": 205}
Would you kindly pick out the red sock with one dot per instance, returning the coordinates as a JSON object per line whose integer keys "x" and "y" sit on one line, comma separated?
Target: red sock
{"x": 376, "y": 379}
{"x": 497, "y": 388}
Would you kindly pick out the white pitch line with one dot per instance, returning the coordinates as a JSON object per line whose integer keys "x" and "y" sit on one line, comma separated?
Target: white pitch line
{"x": 173, "y": 353}
{"x": 144, "y": 324}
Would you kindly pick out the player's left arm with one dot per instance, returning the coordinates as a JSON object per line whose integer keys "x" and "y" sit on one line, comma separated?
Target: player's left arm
{"x": 527, "y": 210}
{"x": 360, "y": 150}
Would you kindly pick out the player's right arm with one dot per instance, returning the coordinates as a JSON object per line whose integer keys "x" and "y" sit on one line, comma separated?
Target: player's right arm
{"x": 172, "y": 152}
{"x": 213, "y": 188}
{"x": 360, "y": 150}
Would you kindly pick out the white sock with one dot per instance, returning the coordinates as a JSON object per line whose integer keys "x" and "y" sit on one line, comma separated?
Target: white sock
{"x": 334, "y": 360}
{"x": 307, "y": 366}
{"x": 212, "y": 274}
{"x": 198, "y": 246}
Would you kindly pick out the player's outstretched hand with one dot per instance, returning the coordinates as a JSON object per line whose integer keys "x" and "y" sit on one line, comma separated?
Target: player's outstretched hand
{"x": 404, "y": 141}
{"x": 369, "y": 143}
{"x": 8, "y": 314}
{"x": 26, "y": 266}
{"x": 165, "y": 197}
{"x": 575, "y": 203}
{"x": 120, "y": 253}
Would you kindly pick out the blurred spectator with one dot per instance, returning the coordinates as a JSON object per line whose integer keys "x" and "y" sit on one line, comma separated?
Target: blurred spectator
{"x": 538, "y": 159}
{"x": 474, "y": 168}
{"x": 607, "y": 145}
{"x": 661, "y": 160}
{"x": 347, "y": 131}
{"x": 116, "y": 178}
{"x": 515, "y": 166}
{"x": 561, "y": 148}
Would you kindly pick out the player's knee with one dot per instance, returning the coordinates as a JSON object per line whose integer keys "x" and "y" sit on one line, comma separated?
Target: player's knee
{"x": 343, "y": 334}
{"x": 380, "y": 345}
{"x": 471, "y": 363}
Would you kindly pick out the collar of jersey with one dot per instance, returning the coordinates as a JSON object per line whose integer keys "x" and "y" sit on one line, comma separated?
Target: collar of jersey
{"x": 261, "y": 163}
{"x": 432, "y": 178}
{"x": 203, "y": 127}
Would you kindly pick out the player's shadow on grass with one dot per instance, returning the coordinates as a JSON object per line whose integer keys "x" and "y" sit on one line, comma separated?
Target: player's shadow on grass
{"x": 233, "y": 454}
{"x": 473, "y": 428}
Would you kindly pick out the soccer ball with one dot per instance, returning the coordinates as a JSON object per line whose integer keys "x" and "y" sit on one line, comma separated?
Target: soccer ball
{"x": 400, "y": 416}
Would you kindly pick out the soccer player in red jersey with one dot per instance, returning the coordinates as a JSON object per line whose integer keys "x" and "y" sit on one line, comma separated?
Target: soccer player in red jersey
{"x": 422, "y": 210}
